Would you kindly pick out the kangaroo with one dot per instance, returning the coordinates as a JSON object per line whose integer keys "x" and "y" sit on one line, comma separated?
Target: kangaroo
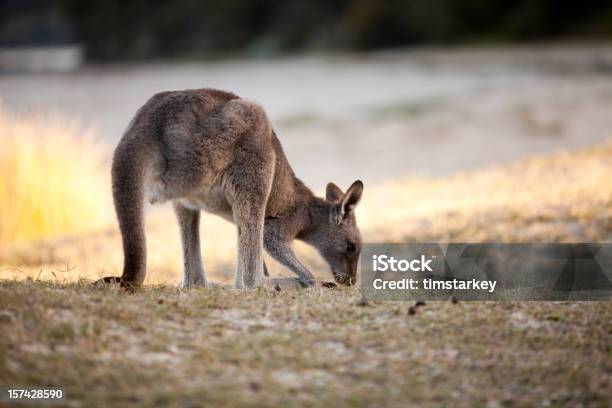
{"x": 206, "y": 149}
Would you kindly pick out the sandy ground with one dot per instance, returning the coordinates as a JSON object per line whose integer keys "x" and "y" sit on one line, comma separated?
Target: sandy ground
{"x": 376, "y": 117}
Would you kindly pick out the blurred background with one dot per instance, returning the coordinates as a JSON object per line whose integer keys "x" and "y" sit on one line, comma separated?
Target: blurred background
{"x": 116, "y": 30}
{"x": 468, "y": 120}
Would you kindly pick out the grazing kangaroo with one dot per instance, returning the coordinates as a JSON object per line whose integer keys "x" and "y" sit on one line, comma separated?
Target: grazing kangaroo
{"x": 207, "y": 149}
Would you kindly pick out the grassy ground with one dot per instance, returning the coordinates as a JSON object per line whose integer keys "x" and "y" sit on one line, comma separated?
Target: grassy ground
{"x": 316, "y": 347}
{"x": 321, "y": 347}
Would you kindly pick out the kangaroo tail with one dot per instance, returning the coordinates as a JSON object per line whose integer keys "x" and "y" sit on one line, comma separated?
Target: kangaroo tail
{"x": 128, "y": 179}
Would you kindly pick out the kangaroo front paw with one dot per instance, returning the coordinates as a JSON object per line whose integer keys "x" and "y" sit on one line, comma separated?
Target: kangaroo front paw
{"x": 307, "y": 283}
{"x": 279, "y": 284}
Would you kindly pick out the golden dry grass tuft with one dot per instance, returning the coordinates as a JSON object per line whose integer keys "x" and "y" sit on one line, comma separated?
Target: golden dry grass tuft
{"x": 52, "y": 178}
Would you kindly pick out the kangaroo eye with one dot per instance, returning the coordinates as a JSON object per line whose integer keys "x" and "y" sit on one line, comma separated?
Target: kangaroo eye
{"x": 350, "y": 247}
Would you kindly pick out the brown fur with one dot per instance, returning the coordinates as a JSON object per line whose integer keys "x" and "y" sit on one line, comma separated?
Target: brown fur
{"x": 208, "y": 149}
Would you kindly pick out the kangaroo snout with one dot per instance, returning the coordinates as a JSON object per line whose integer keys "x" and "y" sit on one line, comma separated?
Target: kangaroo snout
{"x": 344, "y": 279}
{"x": 346, "y": 272}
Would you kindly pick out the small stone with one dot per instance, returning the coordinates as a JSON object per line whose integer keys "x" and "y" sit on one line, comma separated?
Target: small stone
{"x": 277, "y": 287}
{"x": 363, "y": 303}
{"x": 160, "y": 301}
{"x": 411, "y": 310}
{"x": 6, "y": 316}
{"x": 453, "y": 300}
{"x": 419, "y": 303}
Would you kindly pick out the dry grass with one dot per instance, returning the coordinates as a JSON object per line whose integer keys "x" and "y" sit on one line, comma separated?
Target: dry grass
{"x": 52, "y": 178}
{"x": 317, "y": 347}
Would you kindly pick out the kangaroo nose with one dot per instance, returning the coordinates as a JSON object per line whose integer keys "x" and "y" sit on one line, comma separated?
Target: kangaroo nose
{"x": 344, "y": 279}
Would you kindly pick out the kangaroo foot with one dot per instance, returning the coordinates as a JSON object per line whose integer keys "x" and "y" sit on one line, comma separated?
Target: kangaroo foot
{"x": 113, "y": 280}
{"x": 199, "y": 282}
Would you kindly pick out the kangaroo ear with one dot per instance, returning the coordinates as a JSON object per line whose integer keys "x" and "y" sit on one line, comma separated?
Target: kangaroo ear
{"x": 352, "y": 196}
{"x": 347, "y": 203}
{"x": 333, "y": 194}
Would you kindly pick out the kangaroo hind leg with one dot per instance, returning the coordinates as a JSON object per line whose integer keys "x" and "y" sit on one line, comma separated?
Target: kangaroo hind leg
{"x": 249, "y": 221}
{"x": 189, "y": 225}
{"x": 251, "y": 193}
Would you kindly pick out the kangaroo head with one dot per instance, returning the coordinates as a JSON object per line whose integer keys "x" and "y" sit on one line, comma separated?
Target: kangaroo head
{"x": 336, "y": 235}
